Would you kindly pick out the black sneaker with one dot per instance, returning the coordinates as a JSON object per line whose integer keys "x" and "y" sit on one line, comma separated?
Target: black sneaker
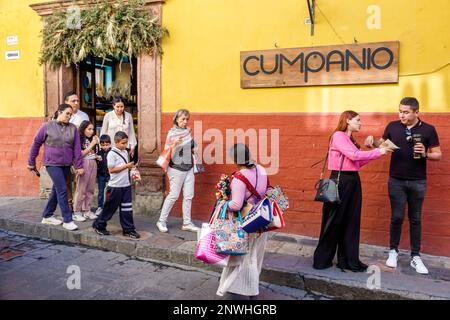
{"x": 102, "y": 232}
{"x": 132, "y": 234}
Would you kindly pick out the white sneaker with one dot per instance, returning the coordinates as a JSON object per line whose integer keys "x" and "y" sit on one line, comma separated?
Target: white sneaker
{"x": 393, "y": 258}
{"x": 416, "y": 263}
{"x": 51, "y": 220}
{"x": 162, "y": 226}
{"x": 70, "y": 226}
{"x": 89, "y": 215}
{"x": 190, "y": 227}
{"x": 78, "y": 216}
{"x": 99, "y": 210}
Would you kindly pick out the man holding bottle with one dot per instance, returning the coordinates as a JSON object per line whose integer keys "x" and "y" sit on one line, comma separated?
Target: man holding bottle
{"x": 418, "y": 142}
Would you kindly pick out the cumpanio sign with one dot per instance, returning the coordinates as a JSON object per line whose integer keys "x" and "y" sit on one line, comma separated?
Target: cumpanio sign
{"x": 325, "y": 65}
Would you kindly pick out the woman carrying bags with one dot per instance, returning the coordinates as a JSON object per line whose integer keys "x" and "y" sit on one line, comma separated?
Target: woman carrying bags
{"x": 241, "y": 277}
{"x": 179, "y": 170}
{"x": 341, "y": 222}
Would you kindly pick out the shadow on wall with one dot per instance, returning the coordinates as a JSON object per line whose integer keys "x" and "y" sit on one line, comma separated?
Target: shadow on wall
{"x": 302, "y": 142}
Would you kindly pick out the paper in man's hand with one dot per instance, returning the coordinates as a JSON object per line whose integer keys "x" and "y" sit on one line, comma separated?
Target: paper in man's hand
{"x": 388, "y": 144}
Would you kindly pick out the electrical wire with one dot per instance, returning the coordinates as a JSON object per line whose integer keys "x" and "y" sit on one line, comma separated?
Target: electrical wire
{"x": 400, "y": 75}
{"x": 329, "y": 23}
{"x": 424, "y": 73}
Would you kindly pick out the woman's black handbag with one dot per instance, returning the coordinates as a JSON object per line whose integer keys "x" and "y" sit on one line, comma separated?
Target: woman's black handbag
{"x": 328, "y": 189}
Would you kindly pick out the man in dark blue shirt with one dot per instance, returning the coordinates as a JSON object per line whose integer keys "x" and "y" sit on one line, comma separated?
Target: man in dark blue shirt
{"x": 418, "y": 142}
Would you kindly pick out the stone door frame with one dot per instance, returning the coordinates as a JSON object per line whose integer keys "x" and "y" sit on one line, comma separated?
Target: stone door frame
{"x": 149, "y": 194}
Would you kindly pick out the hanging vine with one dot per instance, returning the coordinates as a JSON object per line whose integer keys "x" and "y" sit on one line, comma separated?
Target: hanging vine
{"x": 107, "y": 29}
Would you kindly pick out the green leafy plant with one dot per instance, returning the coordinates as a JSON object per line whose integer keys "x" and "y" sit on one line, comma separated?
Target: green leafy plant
{"x": 107, "y": 29}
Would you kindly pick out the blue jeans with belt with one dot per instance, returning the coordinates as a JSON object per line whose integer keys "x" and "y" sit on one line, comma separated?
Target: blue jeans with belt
{"x": 402, "y": 192}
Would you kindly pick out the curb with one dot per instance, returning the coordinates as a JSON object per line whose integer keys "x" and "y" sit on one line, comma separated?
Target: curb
{"x": 184, "y": 254}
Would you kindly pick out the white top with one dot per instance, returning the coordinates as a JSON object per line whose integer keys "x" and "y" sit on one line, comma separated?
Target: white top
{"x": 112, "y": 124}
{"x": 121, "y": 179}
{"x": 78, "y": 118}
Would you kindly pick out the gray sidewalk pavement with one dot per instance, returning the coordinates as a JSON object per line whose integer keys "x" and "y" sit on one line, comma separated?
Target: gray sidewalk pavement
{"x": 288, "y": 259}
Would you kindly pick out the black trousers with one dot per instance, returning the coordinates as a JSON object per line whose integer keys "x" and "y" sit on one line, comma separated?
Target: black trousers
{"x": 117, "y": 198}
{"x": 341, "y": 226}
{"x": 402, "y": 192}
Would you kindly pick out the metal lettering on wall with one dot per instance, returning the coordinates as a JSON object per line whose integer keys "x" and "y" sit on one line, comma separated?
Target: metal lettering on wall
{"x": 325, "y": 65}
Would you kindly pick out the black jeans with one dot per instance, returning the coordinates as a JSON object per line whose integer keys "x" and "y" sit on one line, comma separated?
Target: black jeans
{"x": 402, "y": 192}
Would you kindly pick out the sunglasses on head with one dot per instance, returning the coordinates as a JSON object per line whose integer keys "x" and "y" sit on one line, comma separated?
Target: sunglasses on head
{"x": 408, "y": 135}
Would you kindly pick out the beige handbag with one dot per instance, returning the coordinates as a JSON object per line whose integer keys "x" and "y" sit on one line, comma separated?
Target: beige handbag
{"x": 245, "y": 209}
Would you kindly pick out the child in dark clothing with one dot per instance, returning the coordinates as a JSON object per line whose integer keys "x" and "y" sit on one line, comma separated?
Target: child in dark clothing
{"x": 102, "y": 170}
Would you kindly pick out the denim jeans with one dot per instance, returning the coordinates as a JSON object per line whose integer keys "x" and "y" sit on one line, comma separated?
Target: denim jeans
{"x": 402, "y": 192}
{"x": 58, "y": 194}
{"x": 102, "y": 181}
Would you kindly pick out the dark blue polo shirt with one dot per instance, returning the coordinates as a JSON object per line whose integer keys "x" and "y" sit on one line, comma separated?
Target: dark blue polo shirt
{"x": 403, "y": 166}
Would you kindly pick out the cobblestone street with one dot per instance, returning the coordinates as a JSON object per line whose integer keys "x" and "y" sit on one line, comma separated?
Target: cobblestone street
{"x": 33, "y": 269}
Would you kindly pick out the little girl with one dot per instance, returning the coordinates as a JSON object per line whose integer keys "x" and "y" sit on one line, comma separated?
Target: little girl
{"x": 86, "y": 184}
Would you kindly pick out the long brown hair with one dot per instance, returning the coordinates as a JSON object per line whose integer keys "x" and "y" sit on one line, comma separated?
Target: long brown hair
{"x": 342, "y": 124}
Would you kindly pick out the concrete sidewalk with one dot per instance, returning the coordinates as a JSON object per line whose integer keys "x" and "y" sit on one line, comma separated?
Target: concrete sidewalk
{"x": 287, "y": 261}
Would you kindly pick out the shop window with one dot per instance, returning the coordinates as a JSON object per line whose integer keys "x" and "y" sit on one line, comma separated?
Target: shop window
{"x": 100, "y": 81}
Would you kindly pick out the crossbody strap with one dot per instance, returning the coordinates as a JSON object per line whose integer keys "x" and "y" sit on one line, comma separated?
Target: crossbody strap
{"x": 250, "y": 187}
{"x": 126, "y": 162}
{"x": 325, "y": 163}
{"x": 129, "y": 177}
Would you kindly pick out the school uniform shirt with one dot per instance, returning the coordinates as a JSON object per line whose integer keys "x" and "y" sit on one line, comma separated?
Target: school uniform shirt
{"x": 121, "y": 179}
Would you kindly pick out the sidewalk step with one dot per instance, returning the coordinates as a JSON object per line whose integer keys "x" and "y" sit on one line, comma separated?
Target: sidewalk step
{"x": 287, "y": 261}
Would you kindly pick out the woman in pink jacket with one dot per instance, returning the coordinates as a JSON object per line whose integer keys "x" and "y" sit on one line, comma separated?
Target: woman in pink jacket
{"x": 341, "y": 222}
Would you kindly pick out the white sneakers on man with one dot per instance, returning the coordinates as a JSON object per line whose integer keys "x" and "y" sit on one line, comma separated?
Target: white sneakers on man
{"x": 78, "y": 216}
{"x": 162, "y": 226}
{"x": 89, "y": 215}
{"x": 416, "y": 263}
{"x": 393, "y": 258}
{"x": 190, "y": 227}
{"x": 70, "y": 226}
{"x": 51, "y": 220}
